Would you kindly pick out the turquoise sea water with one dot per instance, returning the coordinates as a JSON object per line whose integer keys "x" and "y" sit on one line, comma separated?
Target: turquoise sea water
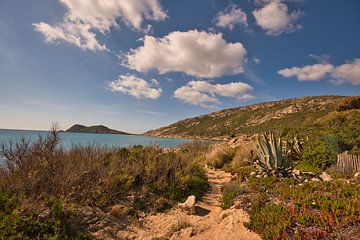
{"x": 83, "y": 139}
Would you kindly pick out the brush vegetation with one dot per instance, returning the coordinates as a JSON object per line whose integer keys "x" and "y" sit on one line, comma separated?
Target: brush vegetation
{"x": 278, "y": 116}
{"x": 41, "y": 177}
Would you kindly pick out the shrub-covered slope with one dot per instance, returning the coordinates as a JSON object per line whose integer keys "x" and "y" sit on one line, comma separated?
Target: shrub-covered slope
{"x": 93, "y": 129}
{"x": 279, "y": 116}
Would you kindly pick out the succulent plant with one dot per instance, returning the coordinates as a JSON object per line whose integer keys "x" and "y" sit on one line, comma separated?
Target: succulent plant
{"x": 277, "y": 156}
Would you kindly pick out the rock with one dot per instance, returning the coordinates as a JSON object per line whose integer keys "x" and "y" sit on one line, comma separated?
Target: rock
{"x": 252, "y": 173}
{"x": 185, "y": 233}
{"x": 325, "y": 177}
{"x": 357, "y": 176}
{"x": 311, "y": 174}
{"x": 296, "y": 172}
{"x": 117, "y": 210}
{"x": 189, "y": 205}
{"x": 314, "y": 179}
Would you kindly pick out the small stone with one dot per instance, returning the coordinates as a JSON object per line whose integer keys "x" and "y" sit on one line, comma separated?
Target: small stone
{"x": 325, "y": 177}
{"x": 357, "y": 176}
{"x": 314, "y": 179}
{"x": 189, "y": 205}
{"x": 296, "y": 172}
{"x": 187, "y": 232}
{"x": 117, "y": 210}
{"x": 252, "y": 173}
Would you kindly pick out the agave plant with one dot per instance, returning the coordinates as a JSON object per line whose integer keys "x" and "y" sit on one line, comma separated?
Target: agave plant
{"x": 277, "y": 156}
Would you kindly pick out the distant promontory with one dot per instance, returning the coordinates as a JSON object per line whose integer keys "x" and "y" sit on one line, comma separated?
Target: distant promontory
{"x": 94, "y": 129}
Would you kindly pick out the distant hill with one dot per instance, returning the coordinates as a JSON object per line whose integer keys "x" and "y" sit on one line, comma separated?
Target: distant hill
{"x": 278, "y": 116}
{"x": 93, "y": 129}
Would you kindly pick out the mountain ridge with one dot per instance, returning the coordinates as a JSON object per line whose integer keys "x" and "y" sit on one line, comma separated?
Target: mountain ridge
{"x": 279, "y": 115}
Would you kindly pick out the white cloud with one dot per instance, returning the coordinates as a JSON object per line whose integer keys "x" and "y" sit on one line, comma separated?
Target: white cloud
{"x": 136, "y": 87}
{"x": 83, "y": 17}
{"x": 77, "y": 34}
{"x": 348, "y": 72}
{"x": 204, "y": 94}
{"x": 196, "y": 53}
{"x": 307, "y": 73}
{"x": 275, "y": 19}
{"x": 230, "y": 17}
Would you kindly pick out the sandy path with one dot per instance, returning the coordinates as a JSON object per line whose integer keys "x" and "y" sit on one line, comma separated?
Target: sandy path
{"x": 210, "y": 222}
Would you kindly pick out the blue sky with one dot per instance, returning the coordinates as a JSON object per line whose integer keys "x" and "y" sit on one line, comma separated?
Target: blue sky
{"x": 142, "y": 64}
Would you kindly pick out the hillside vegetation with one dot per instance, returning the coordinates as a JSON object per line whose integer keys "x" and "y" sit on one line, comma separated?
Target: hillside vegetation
{"x": 278, "y": 116}
{"x": 93, "y": 129}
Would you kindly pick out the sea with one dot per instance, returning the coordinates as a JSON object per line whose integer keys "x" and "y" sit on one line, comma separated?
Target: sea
{"x": 67, "y": 139}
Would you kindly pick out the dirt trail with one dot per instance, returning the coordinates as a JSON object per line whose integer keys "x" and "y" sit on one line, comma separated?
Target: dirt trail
{"x": 210, "y": 221}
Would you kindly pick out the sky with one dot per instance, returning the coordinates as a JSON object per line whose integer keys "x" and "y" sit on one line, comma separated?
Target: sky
{"x": 142, "y": 64}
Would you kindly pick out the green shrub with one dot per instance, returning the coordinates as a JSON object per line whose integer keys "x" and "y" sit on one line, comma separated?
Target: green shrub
{"x": 229, "y": 192}
{"x": 313, "y": 210}
{"x": 318, "y": 154}
{"x": 271, "y": 220}
{"x": 306, "y": 166}
{"x": 335, "y": 144}
{"x": 59, "y": 224}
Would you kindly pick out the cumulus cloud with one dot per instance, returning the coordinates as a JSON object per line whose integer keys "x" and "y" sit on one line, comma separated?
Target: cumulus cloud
{"x": 77, "y": 34}
{"x": 83, "y": 17}
{"x": 231, "y": 16}
{"x": 205, "y": 94}
{"x": 196, "y": 53}
{"x": 348, "y": 72}
{"x": 137, "y": 87}
{"x": 275, "y": 18}
{"x": 307, "y": 73}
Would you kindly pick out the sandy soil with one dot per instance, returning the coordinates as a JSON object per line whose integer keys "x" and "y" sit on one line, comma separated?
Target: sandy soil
{"x": 210, "y": 221}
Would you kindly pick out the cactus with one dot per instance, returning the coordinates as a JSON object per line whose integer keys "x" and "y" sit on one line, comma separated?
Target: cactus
{"x": 277, "y": 156}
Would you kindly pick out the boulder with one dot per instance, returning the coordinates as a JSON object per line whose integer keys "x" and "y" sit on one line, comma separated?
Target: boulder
{"x": 189, "y": 205}
{"x": 325, "y": 177}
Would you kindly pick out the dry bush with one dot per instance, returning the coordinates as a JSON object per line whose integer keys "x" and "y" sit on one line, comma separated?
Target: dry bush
{"x": 244, "y": 153}
{"x": 96, "y": 176}
{"x": 348, "y": 104}
{"x": 219, "y": 156}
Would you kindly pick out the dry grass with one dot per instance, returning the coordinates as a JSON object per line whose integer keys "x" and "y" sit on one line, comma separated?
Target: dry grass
{"x": 348, "y": 104}
{"x": 244, "y": 153}
{"x": 219, "y": 156}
